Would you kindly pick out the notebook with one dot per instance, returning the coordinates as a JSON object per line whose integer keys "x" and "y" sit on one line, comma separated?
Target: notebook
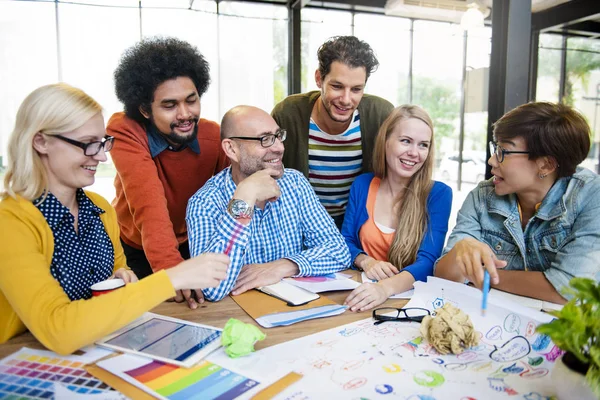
{"x": 292, "y": 295}
{"x": 536, "y": 304}
{"x": 269, "y": 311}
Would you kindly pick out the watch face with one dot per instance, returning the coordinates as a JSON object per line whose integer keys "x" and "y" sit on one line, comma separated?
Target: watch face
{"x": 239, "y": 207}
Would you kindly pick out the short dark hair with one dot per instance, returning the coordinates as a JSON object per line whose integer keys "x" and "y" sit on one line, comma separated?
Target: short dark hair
{"x": 348, "y": 50}
{"x": 150, "y": 62}
{"x": 549, "y": 129}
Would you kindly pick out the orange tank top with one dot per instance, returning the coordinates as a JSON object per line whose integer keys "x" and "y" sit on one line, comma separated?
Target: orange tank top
{"x": 374, "y": 242}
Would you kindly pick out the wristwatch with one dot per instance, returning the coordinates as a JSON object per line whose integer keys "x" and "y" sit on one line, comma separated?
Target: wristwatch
{"x": 239, "y": 209}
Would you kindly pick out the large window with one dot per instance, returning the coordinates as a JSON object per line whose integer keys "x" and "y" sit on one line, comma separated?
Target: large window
{"x": 548, "y": 74}
{"x": 44, "y": 42}
{"x": 390, "y": 81}
{"x": 582, "y": 88}
{"x": 318, "y": 26}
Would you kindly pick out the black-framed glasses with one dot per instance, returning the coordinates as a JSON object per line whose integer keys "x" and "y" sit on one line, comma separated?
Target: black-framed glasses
{"x": 92, "y": 148}
{"x": 267, "y": 140}
{"x": 413, "y": 314}
{"x": 500, "y": 152}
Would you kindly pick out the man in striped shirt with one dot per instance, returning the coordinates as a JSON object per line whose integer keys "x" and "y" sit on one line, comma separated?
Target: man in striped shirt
{"x": 332, "y": 130}
{"x": 266, "y": 218}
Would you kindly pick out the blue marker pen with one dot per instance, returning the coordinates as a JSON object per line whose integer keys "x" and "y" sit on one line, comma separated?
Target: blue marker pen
{"x": 485, "y": 290}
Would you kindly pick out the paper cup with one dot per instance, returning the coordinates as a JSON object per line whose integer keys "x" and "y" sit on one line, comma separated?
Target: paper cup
{"x": 107, "y": 286}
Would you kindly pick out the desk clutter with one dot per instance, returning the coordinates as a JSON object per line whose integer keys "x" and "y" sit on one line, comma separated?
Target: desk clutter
{"x": 364, "y": 359}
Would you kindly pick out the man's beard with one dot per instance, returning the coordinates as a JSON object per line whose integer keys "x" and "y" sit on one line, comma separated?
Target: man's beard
{"x": 178, "y": 139}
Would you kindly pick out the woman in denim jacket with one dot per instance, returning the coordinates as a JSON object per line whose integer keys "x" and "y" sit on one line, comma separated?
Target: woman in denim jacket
{"x": 536, "y": 224}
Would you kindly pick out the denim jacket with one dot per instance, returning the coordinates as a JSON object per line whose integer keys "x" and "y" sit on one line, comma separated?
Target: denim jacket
{"x": 562, "y": 239}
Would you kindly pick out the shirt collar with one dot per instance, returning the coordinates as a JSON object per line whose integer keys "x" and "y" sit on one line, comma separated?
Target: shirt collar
{"x": 54, "y": 211}
{"x": 158, "y": 143}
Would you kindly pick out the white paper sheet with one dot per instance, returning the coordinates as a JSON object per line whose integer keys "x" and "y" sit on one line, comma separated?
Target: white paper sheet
{"x": 291, "y": 317}
{"x": 404, "y": 295}
{"x": 325, "y": 283}
{"x": 392, "y": 360}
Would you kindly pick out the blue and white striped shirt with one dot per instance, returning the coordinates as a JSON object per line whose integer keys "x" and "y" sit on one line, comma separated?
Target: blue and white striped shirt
{"x": 295, "y": 227}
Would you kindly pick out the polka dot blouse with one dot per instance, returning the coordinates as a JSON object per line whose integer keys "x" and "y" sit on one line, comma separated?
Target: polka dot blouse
{"x": 81, "y": 258}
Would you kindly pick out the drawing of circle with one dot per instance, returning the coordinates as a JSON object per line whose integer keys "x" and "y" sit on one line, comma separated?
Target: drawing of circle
{"x": 384, "y": 389}
{"x": 467, "y": 356}
{"x": 355, "y": 383}
{"x": 456, "y": 367}
{"x": 429, "y": 379}
{"x": 392, "y": 368}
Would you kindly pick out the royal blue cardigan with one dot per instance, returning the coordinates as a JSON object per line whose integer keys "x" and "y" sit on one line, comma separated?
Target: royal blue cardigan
{"x": 439, "y": 203}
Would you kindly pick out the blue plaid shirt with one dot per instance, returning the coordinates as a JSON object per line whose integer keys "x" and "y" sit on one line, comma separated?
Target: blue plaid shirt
{"x": 295, "y": 227}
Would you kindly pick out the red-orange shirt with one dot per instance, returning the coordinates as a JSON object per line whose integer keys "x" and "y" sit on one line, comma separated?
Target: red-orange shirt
{"x": 152, "y": 193}
{"x": 374, "y": 242}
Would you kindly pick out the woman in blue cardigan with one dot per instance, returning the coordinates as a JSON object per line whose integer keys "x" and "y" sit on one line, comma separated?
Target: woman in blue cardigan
{"x": 397, "y": 218}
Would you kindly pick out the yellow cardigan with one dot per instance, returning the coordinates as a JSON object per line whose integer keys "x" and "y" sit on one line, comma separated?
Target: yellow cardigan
{"x": 30, "y": 297}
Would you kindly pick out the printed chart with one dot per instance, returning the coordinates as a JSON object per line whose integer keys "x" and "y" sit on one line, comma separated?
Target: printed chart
{"x": 35, "y": 373}
{"x": 392, "y": 360}
{"x": 204, "y": 381}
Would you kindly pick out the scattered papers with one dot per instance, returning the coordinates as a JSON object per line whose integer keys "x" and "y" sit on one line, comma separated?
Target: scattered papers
{"x": 404, "y": 295}
{"x": 538, "y": 305}
{"x": 324, "y": 283}
{"x": 41, "y": 374}
{"x": 363, "y": 360}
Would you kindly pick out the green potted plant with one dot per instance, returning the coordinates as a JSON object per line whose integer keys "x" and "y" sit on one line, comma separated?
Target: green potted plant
{"x": 576, "y": 330}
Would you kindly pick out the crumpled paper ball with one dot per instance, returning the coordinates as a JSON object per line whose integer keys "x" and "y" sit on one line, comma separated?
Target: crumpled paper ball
{"x": 239, "y": 338}
{"x": 450, "y": 331}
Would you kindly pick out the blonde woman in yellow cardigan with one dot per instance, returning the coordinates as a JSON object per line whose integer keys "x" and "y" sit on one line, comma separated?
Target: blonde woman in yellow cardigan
{"x": 58, "y": 240}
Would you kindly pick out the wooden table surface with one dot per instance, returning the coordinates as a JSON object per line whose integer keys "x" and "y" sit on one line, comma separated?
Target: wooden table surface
{"x": 217, "y": 314}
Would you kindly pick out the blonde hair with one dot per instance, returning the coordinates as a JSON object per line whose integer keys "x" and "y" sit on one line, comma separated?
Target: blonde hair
{"x": 53, "y": 110}
{"x": 412, "y": 212}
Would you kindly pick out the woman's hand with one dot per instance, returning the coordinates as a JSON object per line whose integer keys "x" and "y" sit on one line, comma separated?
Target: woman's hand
{"x": 367, "y": 296}
{"x": 127, "y": 275}
{"x": 472, "y": 256}
{"x": 375, "y": 269}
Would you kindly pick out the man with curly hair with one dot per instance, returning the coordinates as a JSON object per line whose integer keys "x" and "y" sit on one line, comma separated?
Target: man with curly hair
{"x": 332, "y": 130}
{"x": 164, "y": 152}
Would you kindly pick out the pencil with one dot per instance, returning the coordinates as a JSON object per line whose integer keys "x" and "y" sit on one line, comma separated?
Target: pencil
{"x": 485, "y": 290}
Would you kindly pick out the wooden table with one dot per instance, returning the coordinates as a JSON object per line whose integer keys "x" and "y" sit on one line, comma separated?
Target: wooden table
{"x": 217, "y": 314}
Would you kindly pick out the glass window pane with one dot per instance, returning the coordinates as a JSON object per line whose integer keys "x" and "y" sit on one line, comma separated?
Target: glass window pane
{"x": 437, "y": 74}
{"x": 194, "y": 27}
{"x": 252, "y": 55}
{"x": 318, "y": 26}
{"x": 548, "y": 76}
{"x": 91, "y": 48}
{"x": 28, "y": 48}
{"x": 582, "y": 89}
{"x": 390, "y": 81}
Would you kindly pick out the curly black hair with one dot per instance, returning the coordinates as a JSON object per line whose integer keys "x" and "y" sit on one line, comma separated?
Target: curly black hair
{"x": 348, "y": 50}
{"x": 149, "y": 63}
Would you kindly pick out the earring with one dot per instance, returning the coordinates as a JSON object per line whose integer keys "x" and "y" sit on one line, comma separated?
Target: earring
{"x": 542, "y": 176}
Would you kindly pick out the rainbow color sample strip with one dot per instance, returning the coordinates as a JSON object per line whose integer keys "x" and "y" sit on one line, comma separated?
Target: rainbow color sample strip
{"x": 32, "y": 374}
{"x": 204, "y": 381}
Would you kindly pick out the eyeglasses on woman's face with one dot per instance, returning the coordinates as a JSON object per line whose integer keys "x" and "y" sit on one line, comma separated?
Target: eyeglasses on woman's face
{"x": 500, "y": 152}
{"x": 389, "y": 314}
{"x": 267, "y": 139}
{"x": 92, "y": 148}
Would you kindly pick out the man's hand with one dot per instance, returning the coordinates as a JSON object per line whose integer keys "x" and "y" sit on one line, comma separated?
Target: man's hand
{"x": 367, "y": 296}
{"x": 258, "y": 187}
{"x": 127, "y": 275}
{"x": 472, "y": 256}
{"x": 379, "y": 270}
{"x": 256, "y": 275}
{"x": 192, "y": 297}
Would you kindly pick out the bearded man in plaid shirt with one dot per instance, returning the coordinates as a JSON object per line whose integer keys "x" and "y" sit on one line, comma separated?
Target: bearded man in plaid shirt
{"x": 266, "y": 218}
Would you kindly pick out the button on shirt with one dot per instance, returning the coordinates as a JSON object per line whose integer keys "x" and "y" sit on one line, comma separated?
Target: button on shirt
{"x": 81, "y": 258}
{"x": 295, "y": 227}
